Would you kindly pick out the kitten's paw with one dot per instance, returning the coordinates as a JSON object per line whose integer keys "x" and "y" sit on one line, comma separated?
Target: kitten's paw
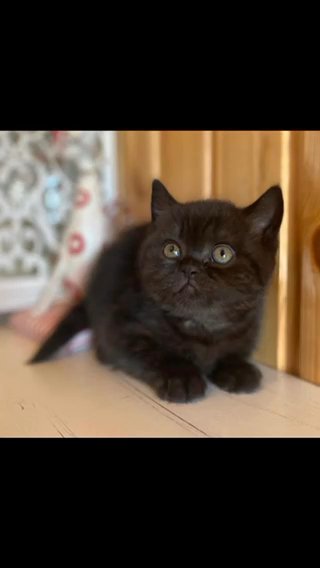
{"x": 237, "y": 377}
{"x": 182, "y": 390}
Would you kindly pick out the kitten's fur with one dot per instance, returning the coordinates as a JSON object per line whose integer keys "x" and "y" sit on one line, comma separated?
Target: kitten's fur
{"x": 144, "y": 320}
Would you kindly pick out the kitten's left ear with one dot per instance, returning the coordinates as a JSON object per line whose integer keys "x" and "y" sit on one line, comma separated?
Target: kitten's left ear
{"x": 265, "y": 214}
{"x": 161, "y": 199}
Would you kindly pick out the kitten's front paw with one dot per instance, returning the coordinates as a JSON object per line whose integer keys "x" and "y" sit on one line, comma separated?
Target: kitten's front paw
{"x": 237, "y": 377}
{"x": 182, "y": 390}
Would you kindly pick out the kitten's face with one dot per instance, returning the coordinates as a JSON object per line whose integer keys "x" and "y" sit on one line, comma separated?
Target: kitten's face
{"x": 200, "y": 255}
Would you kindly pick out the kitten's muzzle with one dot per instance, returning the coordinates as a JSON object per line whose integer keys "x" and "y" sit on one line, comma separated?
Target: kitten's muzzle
{"x": 188, "y": 274}
{"x": 189, "y": 271}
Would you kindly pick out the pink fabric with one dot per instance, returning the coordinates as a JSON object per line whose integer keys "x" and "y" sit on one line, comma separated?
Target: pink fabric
{"x": 39, "y": 327}
{"x": 92, "y": 225}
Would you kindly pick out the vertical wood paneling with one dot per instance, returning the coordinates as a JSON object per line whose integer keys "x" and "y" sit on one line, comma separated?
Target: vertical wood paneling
{"x": 208, "y": 163}
{"x": 309, "y": 208}
{"x": 235, "y": 154}
{"x": 289, "y": 258}
{"x": 246, "y": 164}
{"x": 182, "y": 163}
{"x": 182, "y": 159}
{"x": 140, "y": 163}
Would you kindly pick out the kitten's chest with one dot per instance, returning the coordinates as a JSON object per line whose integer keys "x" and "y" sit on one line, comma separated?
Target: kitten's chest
{"x": 205, "y": 356}
{"x": 204, "y": 346}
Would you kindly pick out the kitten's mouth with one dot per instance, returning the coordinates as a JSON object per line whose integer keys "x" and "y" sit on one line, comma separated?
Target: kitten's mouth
{"x": 186, "y": 287}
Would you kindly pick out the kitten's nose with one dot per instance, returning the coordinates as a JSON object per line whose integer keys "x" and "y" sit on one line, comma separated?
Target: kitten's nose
{"x": 190, "y": 271}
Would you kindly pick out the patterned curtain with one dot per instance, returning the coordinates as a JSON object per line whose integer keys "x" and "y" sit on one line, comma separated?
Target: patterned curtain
{"x": 38, "y": 175}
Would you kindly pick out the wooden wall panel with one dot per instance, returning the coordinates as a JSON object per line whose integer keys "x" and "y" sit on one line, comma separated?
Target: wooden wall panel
{"x": 139, "y": 160}
{"x": 246, "y": 164}
{"x": 183, "y": 163}
{"x": 289, "y": 282}
{"x": 182, "y": 159}
{"x": 309, "y": 238}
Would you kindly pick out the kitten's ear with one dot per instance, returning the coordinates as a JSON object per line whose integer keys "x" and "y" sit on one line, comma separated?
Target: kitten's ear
{"x": 266, "y": 213}
{"x": 161, "y": 199}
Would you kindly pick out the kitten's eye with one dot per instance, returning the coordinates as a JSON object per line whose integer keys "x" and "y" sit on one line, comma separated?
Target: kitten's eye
{"x": 223, "y": 254}
{"x": 172, "y": 250}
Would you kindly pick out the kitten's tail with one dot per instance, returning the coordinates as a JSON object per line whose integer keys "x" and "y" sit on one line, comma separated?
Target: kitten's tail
{"x": 74, "y": 322}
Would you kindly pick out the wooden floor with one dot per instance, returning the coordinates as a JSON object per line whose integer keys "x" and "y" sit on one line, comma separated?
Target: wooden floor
{"x": 77, "y": 397}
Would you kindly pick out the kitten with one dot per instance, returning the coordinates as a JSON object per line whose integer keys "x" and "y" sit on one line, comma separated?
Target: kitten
{"x": 180, "y": 299}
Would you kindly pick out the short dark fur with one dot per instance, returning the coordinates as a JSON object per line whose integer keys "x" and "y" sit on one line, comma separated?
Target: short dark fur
{"x": 173, "y": 322}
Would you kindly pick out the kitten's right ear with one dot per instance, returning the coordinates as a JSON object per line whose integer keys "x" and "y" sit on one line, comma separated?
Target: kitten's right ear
{"x": 161, "y": 199}
{"x": 265, "y": 214}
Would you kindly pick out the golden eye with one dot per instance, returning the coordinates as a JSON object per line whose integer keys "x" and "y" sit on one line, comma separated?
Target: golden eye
{"x": 223, "y": 254}
{"x": 172, "y": 250}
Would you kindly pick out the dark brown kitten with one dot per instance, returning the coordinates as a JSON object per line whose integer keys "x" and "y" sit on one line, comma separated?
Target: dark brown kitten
{"x": 180, "y": 299}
